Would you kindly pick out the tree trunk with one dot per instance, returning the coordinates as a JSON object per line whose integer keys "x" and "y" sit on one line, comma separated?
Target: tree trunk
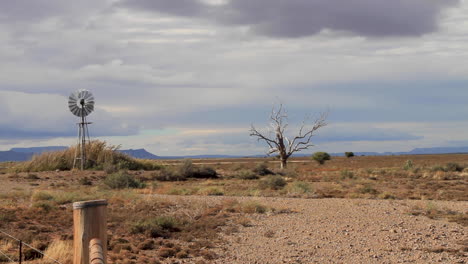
{"x": 284, "y": 163}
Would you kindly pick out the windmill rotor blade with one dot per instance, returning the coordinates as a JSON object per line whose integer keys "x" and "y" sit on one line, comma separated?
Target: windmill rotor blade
{"x": 74, "y": 103}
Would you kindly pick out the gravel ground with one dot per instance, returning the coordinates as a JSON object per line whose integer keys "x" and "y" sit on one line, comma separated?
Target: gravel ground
{"x": 344, "y": 231}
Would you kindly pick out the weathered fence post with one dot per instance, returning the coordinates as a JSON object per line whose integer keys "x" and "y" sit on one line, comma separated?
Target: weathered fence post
{"x": 89, "y": 220}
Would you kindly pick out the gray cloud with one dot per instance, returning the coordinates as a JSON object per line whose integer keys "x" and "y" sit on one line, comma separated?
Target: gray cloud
{"x": 33, "y": 11}
{"x": 299, "y": 18}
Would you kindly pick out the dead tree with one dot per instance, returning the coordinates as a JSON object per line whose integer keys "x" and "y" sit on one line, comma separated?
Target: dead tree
{"x": 277, "y": 140}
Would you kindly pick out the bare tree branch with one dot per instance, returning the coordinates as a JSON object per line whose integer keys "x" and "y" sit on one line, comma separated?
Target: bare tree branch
{"x": 277, "y": 136}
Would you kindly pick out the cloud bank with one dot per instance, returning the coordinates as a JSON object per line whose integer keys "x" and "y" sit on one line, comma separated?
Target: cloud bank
{"x": 300, "y": 18}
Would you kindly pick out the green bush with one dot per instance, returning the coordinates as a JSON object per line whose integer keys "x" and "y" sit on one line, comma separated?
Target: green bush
{"x": 122, "y": 180}
{"x": 321, "y": 157}
{"x": 349, "y": 154}
{"x": 274, "y": 182}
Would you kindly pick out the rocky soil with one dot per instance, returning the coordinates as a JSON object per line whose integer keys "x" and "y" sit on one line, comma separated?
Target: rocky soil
{"x": 345, "y": 231}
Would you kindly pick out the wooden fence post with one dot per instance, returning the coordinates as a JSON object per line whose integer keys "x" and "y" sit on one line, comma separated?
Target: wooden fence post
{"x": 90, "y": 222}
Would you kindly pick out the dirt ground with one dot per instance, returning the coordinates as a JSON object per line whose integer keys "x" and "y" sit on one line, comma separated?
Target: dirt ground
{"x": 418, "y": 215}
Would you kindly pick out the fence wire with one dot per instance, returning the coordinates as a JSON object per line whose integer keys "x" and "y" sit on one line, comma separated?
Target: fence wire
{"x": 27, "y": 245}
{"x": 6, "y": 256}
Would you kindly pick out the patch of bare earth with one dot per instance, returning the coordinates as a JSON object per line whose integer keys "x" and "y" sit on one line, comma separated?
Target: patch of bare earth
{"x": 345, "y": 231}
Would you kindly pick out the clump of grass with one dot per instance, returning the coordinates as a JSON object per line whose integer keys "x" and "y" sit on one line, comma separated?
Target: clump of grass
{"x": 61, "y": 251}
{"x": 122, "y": 180}
{"x": 99, "y": 153}
{"x": 275, "y": 182}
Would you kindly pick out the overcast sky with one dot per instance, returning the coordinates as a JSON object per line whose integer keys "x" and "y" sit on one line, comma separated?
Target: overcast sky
{"x": 181, "y": 77}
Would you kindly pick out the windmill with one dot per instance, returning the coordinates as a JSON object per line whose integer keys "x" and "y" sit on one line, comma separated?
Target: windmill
{"x": 81, "y": 104}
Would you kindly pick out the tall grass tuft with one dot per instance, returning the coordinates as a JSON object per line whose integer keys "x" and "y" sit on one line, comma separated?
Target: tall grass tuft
{"x": 99, "y": 156}
{"x": 61, "y": 251}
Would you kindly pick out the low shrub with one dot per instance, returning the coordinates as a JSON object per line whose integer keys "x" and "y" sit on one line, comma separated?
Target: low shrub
{"x": 408, "y": 165}
{"x": 85, "y": 181}
{"x": 368, "y": 189}
{"x": 346, "y": 174}
{"x": 205, "y": 173}
{"x": 156, "y": 227}
{"x": 449, "y": 167}
{"x": 42, "y": 196}
{"x": 122, "y": 180}
{"x": 253, "y": 207}
{"x": 186, "y": 169}
{"x": 299, "y": 187}
{"x": 261, "y": 169}
{"x": 454, "y": 167}
{"x": 246, "y": 175}
{"x": 274, "y": 182}
{"x": 437, "y": 168}
{"x": 349, "y": 154}
{"x": 46, "y": 206}
{"x": 166, "y": 174}
{"x": 321, "y": 157}
{"x": 211, "y": 191}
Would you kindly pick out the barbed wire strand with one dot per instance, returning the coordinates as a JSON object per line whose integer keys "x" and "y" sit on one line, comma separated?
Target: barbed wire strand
{"x": 31, "y": 247}
{"x": 6, "y": 256}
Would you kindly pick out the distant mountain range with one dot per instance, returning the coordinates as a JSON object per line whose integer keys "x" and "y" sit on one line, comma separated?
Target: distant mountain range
{"x": 24, "y": 154}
